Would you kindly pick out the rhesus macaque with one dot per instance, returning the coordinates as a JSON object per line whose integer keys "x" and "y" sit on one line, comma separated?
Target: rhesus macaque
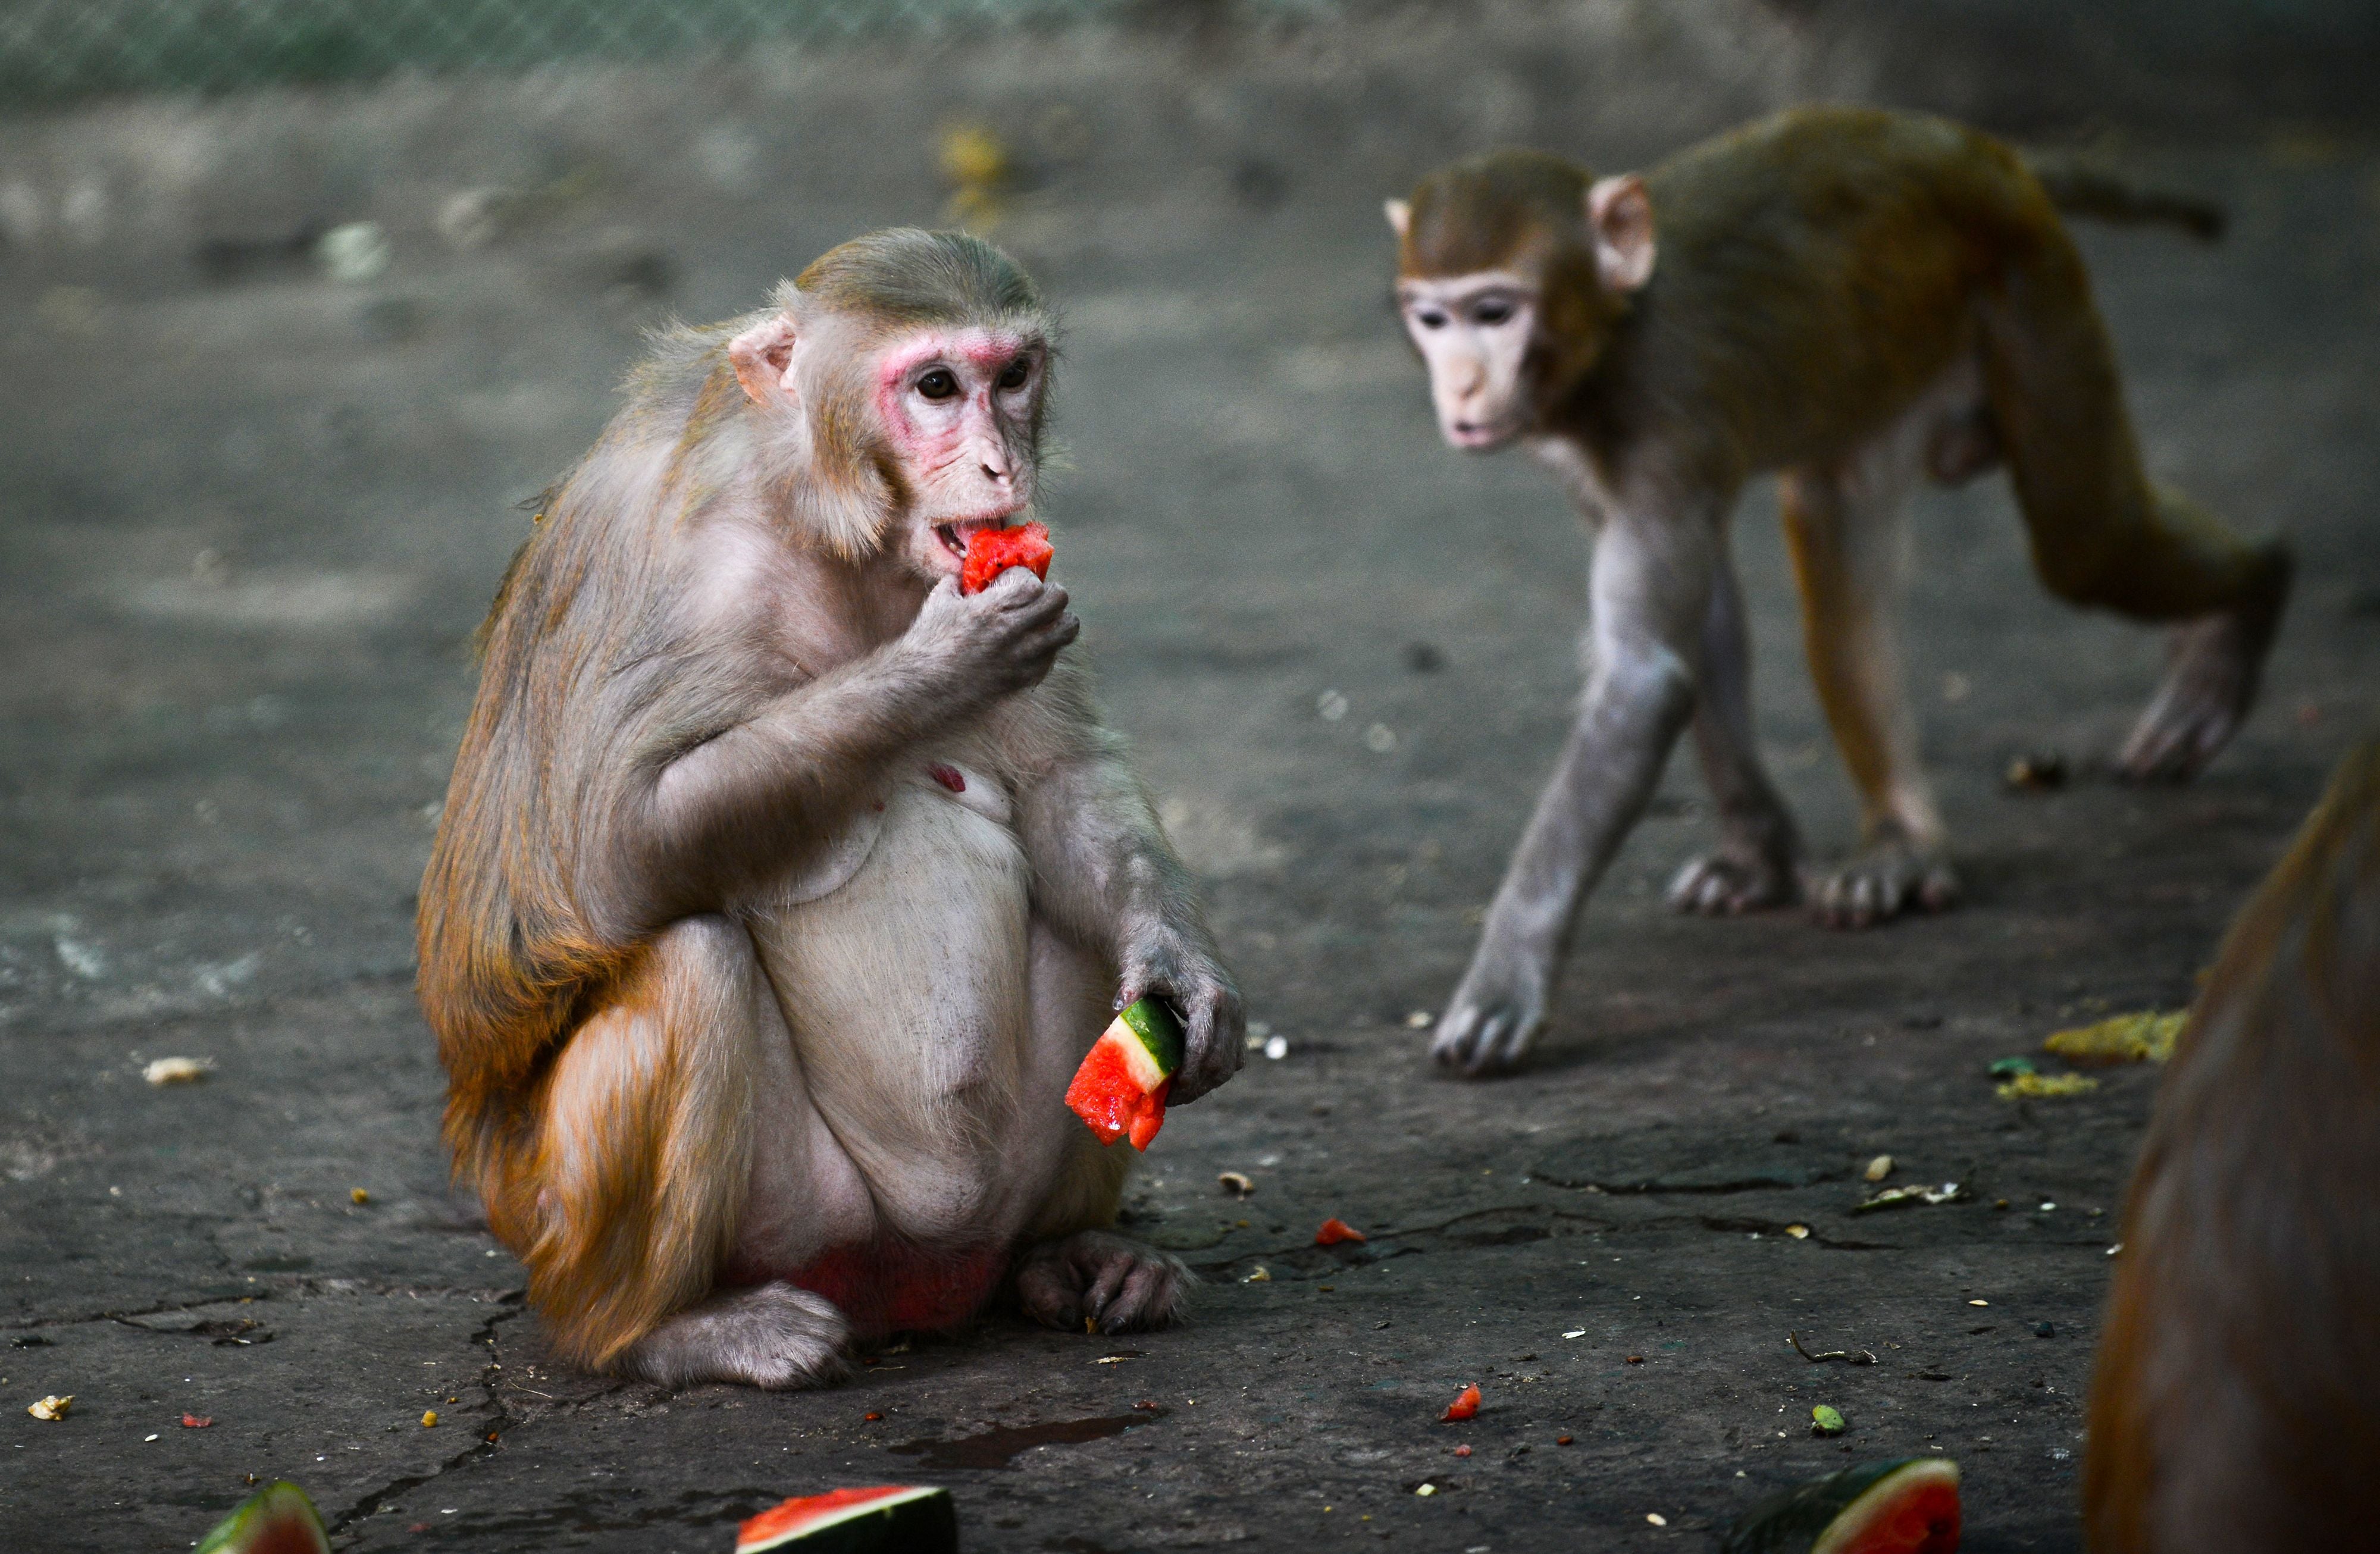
{"x": 1859, "y": 300}
{"x": 2237, "y": 1402}
{"x": 781, "y": 886}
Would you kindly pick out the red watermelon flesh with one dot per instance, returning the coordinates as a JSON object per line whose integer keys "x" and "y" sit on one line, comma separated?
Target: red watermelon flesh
{"x": 885, "y": 1519}
{"x": 1909, "y": 1506}
{"x": 992, "y": 552}
{"x": 1120, "y": 1087}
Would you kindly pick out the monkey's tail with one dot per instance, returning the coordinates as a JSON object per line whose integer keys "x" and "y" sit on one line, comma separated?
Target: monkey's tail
{"x": 2079, "y": 188}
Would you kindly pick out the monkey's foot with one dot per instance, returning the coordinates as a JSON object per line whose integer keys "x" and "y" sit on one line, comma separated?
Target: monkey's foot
{"x": 1733, "y": 879}
{"x": 771, "y": 1335}
{"x": 2213, "y": 668}
{"x": 1885, "y": 880}
{"x": 1097, "y": 1281}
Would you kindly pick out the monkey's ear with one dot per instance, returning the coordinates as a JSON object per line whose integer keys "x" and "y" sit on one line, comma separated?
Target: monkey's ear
{"x": 1620, "y": 213}
{"x": 1400, "y": 214}
{"x": 763, "y": 357}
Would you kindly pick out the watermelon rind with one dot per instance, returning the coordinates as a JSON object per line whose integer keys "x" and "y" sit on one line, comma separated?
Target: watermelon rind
{"x": 895, "y": 1519}
{"x": 1832, "y": 1515}
{"x": 1159, "y": 1034}
{"x": 277, "y": 1519}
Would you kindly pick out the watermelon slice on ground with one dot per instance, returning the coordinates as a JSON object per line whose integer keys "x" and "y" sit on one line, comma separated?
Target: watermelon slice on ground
{"x": 277, "y": 1519}
{"x": 992, "y": 552}
{"x": 888, "y": 1519}
{"x": 1121, "y": 1089}
{"x": 1906, "y": 1506}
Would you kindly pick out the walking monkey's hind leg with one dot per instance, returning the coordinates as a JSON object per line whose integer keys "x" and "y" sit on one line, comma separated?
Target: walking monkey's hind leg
{"x": 2103, "y": 535}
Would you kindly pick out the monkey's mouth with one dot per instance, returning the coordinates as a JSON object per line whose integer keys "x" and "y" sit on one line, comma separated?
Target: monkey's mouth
{"x": 954, "y": 533}
{"x": 1480, "y": 435}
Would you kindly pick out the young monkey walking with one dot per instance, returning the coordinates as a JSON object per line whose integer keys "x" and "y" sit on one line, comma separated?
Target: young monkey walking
{"x": 1857, "y": 299}
{"x": 781, "y": 887}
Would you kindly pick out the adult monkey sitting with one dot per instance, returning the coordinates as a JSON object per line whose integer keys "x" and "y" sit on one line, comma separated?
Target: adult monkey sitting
{"x": 1855, "y": 298}
{"x": 781, "y": 887}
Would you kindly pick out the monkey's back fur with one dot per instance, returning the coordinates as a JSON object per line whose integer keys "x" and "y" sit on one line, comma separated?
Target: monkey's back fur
{"x": 2237, "y": 1399}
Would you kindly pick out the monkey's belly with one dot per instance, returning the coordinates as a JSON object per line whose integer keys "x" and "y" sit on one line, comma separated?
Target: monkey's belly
{"x": 908, "y": 995}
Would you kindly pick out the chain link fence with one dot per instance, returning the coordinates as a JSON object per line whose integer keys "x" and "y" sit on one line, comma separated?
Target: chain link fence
{"x": 54, "y": 49}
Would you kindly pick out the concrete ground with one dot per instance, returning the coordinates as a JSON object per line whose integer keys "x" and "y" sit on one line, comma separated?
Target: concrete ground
{"x": 249, "y": 515}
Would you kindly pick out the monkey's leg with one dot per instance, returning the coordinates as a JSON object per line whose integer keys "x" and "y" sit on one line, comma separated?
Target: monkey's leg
{"x": 1759, "y": 851}
{"x": 1849, "y": 544}
{"x": 2103, "y": 535}
{"x": 645, "y": 1153}
{"x": 1651, "y": 590}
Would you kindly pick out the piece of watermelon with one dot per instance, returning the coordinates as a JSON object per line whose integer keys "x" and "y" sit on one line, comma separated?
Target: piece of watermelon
{"x": 1121, "y": 1089}
{"x": 888, "y": 1519}
{"x": 277, "y": 1519}
{"x": 992, "y": 552}
{"x": 1906, "y": 1506}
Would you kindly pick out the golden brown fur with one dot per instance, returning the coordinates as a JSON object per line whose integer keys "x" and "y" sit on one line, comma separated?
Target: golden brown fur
{"x": 2233, "y": 1409}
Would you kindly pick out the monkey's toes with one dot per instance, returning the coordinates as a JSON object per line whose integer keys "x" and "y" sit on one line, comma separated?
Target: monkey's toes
{"x": 2215, "y": 665}
{"x": 1881, "y": 885}
{"x": 1723, "y": 883}
{"x": 1101, "y": 1283}
{"x": 776, "y": 1336}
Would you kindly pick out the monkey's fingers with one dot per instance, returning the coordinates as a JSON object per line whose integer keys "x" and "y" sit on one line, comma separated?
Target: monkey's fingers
{"x": 1475, "y": 1041}
{"x": 1148, "y": 1296}
{"x": 1212, "y": 1049}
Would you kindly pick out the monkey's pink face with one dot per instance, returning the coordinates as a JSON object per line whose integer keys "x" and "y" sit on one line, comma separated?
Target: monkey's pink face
{"x": 1474, "y": 333}
{"x": 959, "y": 409}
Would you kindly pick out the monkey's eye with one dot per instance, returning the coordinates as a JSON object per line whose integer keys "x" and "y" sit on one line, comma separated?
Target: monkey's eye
{"x": 1495, "y": 311}
{"x": 1018, "y": 370}
{"x": 1429, "y": 318}
{"x": 939, "y": 384}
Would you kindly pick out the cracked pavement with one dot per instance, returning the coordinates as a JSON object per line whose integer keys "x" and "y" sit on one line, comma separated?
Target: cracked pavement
{"x": 239, "y": 572}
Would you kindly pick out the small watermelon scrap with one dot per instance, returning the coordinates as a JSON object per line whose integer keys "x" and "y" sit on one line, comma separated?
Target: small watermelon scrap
{"x": 1120, "y": 1091}
{"x": 992, "y": 552}
{"x": 1464, "y": 1406}
{"x": 1906, "y": 1506}
{"x": 1334, "y": 1230}
{"x": 277, "y": 1519}
{"x": 887, "y": 1519}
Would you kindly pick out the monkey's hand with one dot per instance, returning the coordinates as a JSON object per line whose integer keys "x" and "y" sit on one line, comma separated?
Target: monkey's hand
{"x": 1495, "y": 1014}
{"x": 980, "y": 646}
{"x": 1160, "y": 959}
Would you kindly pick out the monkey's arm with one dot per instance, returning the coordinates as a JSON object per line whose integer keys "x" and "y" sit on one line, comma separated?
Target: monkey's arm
{"x": 1106, "y": 877}
{"x": 717, "y": 811}
{"x": 1651, "y": 589}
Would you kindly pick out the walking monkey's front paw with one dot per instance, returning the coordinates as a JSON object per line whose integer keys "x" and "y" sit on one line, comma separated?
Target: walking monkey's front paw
{"x": 1493, "y": 1018}
{"x": 1884, "y": 880}
{"x": 1102, "y": 1282}
{"x": 1731, "y": 880}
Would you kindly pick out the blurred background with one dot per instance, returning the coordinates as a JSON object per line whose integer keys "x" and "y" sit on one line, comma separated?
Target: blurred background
{"x": 302, "y": 300}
